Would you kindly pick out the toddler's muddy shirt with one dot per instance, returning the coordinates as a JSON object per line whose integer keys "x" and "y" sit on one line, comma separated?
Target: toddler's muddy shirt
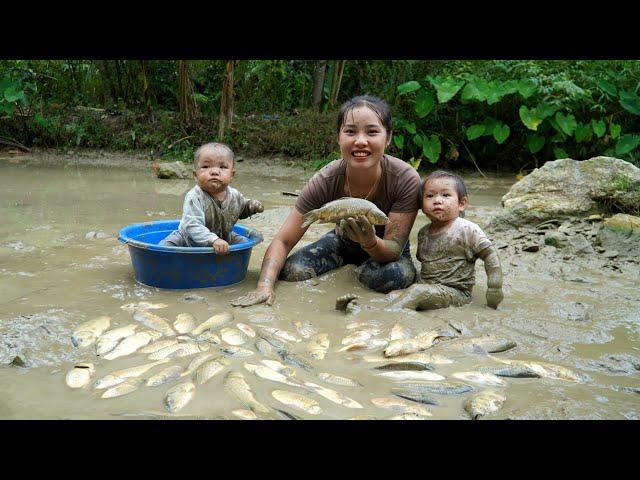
{"x": 205, "y": 219}
{"x": 449, "y": 258}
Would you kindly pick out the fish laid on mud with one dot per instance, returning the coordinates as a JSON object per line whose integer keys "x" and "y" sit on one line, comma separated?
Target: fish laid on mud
{"x": 88, "y": 332}
{"x": 370, "y": 344}
{"x": 295, "y": 360}
{"x": 411, "y": 375}
{"x": 132, "y": 344}
{"x": 210, "y": 337}
{"x": 120, "y": 376}
{"x": 178, "y": 396}
{"x": 415, "y": 396}
{"x": 123, "y": 388}
{"x": 281, "y": 334}
{"x": 232, "y": 336}
{"x": 483, "y": 403}
{"x": 131, "y": 307}
{"x": 318, "y": 346}
{"x": 236, "y": 352}
{"x": 244, "y": 414}
{"x": 80, "y": 375}
{"x": 198, "y": 360}
{"x": 168, "y": 375}
{"x": 404, "y": 366}
{"x": 246, "y": 329}
{"x": 401, "y": 406}
{"x": 333, "y": 212}
{"x": 513, "y": 371}
{"x": 269, "y": 374}
{"x": 184, "y": 323}
{"x": 110, "y": 339}
{"x": 236, "y": 385}
{"x": 297, "y": 401}
{"x": 481, "y": 378}
{"x": 332, "y": 395}
{"x": 405, "y": 346}
{"x": 212, "y": 323}
{"x": 209, "y": 369}
{"x": 399, "y": 332}
{"x": 279, "y": 367}
{"x": 546, "y": 370}
{"x": 439, "y": 388}
{"x": 338, "y": 380}
{"x": 180, "y": 350}
{"x": 264, "y": 347}
{"x": 420, "y": 357}
{"x": 305, "y": 329}
{"x": 158, "y": 345}
{"x": 488, "y": 344}
{"x": 154, "y": 322}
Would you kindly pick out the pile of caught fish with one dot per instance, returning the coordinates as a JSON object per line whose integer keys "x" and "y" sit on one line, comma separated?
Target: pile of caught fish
{"x": 219, "y": 345}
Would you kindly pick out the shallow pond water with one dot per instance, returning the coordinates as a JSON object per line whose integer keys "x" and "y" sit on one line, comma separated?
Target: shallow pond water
{"x": 61, "y": 264}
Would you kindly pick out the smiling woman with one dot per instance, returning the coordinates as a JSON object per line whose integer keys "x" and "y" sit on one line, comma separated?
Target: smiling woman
{"x": 381, "y": 252}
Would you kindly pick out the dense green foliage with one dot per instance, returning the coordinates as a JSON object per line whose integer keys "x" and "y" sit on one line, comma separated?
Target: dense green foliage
{"x": 505, "y": 115}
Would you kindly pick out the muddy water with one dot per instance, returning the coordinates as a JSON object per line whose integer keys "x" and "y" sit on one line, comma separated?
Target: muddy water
{"x": 61, "y": 264}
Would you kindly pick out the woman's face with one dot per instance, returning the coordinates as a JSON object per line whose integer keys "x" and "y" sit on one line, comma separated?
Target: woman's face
{"x": 362, "y": 138}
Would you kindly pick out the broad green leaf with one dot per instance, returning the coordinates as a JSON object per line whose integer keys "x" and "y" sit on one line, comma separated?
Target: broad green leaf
{"x": 560, "y": 153}
{"x": 566, "y": 122}
{"x": 630, "y": 101}
{"x": 7, "y": 108}
{"x": 424, "y": 103}
{"x": 40, "y": 120}
{"x": 535, "y": 143}
{"x": 415, "y": 162}
{"x": 495, "y": 91}
{"x": 615, "y": 130}
{"x": 599, "y": 127}
{"x": 545, "y": 110}
{"x": 501, "y": 133}
{"x": 13, "y": 94}
{"x": 418, "y": 139}
{"x": 583, "y": 132}
{"x": 608, "y": 88}
{"x": 431, "y": 148}
{"x": 399, "y": 141}
{"x": 627, "y": 143}
{"x": 509, "y": 87}
{"x": 410, "y": 127}
{"x": 527, "y": 87}
{"x": 472, "y": 91}
{"x": 446, "y": 88}
{"x": 561, "y": 135}
{"x": 530, "y": 118}
{"x": 408, "y": 87}
{"x": 475, "y": 131}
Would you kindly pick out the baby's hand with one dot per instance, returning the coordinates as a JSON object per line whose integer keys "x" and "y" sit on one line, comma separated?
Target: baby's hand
{"x": 221, "y": 247}
{"x": 255, "y": 207}
{"x": 494, "y": 297}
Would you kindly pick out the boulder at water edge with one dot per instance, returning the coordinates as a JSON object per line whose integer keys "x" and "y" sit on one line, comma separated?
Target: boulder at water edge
{"x": 622, "y": 234}
{"x": 566, "y": 188}
{"x": 173, "y": 170}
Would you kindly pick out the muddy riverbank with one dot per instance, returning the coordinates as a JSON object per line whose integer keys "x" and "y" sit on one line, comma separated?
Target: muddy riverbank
{"x": 62, "y": 264}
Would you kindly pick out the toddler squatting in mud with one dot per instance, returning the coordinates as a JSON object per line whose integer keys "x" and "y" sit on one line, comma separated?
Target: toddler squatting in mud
{"x": 448, "y": 248}
{"x": 212, "y": 207}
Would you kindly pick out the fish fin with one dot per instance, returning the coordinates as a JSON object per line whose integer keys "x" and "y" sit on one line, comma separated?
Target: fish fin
{"x": 308, "y": 219}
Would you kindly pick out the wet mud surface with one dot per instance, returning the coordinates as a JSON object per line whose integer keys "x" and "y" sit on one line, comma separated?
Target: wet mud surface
{"x": 61, "y": 264}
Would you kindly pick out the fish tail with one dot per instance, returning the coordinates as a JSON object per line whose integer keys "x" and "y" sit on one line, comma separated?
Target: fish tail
{"x": 308, "y": 219}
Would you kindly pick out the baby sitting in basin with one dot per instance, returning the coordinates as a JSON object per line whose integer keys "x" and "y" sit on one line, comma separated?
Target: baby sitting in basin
{"x": 212, "y": 207}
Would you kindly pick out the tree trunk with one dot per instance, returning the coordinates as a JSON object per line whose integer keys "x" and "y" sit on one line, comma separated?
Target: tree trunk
{"x": 335, "y": 83}
{"x": 318, "y": 83}
{"x": 188, "y": 107}
{"x": 145, "y": 91}
{"x": 120, "y": 93}
{"x": 227, "y": 101}
{"x": 107, "y": 92}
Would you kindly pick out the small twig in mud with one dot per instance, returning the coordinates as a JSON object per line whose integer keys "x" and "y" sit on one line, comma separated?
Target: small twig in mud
{"x": 179, "y": 140}
{"x": 291, "y": 194}
{"x": 473, "y": 159}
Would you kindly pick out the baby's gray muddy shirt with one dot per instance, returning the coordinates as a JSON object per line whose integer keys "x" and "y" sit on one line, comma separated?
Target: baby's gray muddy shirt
{"x": 204, "y": 219}
{"x": 449, "y": 258}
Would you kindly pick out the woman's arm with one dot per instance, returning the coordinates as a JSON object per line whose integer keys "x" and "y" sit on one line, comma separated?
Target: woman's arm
{"x": 396, "y": 234}
{"x": 274, "y": 258}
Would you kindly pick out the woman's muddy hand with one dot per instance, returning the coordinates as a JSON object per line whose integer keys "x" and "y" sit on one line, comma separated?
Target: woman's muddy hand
{"x": 254, "y": 298}
{"x": 494, "y": 297}
{"x": 359, "y": 230}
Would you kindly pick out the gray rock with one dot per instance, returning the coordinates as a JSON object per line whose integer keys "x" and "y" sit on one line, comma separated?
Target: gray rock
{"x": 531, "y": 248}
{"x": 555, "y": 239}
{"x": 174, "y": 170}
{"x": 565, "y": 188}
{"x": 579, "y": 245}
{"x": 20, "y": 361}
{"x": 622, "y": 234}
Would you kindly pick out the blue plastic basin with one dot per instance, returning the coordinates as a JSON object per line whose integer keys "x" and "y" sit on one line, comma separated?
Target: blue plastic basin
{"x": 185, "y": 267}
